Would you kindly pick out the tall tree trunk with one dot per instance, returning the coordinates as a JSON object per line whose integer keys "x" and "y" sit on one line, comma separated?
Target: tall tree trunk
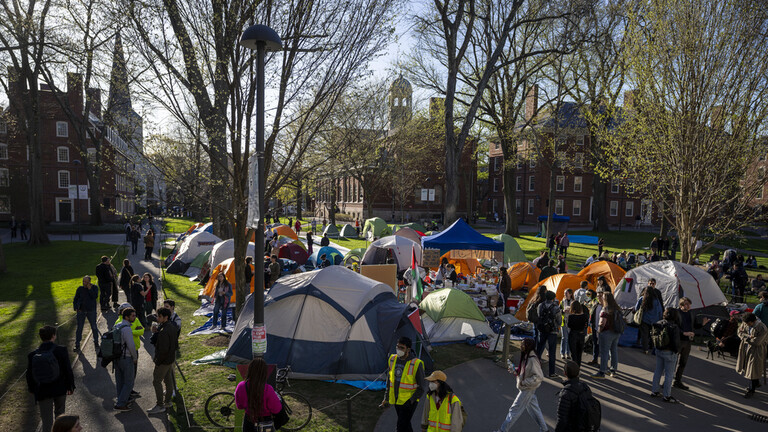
{"x": 664, "y": 225}
{"x": 332, "y": 207}
{"x": 550, "y": 201}
{"x": 299, "y": 199}
{"x": 94, "y": 181}
{"x": 220, "y": 196}
{"x": 37, "y": 234}
{"x": 509, "y": 191}
{"x": 452, "y": 157}
{"x": 599, "y": 190}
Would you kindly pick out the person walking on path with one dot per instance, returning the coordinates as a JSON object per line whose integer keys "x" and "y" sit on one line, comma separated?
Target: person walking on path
{"x": 126, "y": 273}
{"x": 442, "y": 409}
{"x": 14, "y": 227}
{"x": 652, "y": 307}
{"x": 529, "y": 378}
{"x": 221, "y": 297}
{"x": 577, "y": 323}
{"x": 564, "y": 244}
{"x": 107, "y": 274}
{"x": 138, "y": 294}
{"x": 125, "y": 366}
{"x": 405, "y": 383}
{"x": 310, "y": 242}
{"x": 257, "y": 398}
{"x": 686, "y": 338}
{"x": 569, "y": 409}
{"x": 151, "y": 294}
{"x": 149, "y": 244}
{"x": 751, "y": 360}
{"x": 166, "y": 341}
{"x": 666, "y": 334}
{"x": 547, "y": 327}
{"x": 600, "y": 246}
{"x": 297, "y": 226}
{"x": 134, "y": 238}
{"x": 84, "y": 304}
{"x": 608, "y": 333}
{"x": 23, "y": 230}
{"x": 49, "y": 376}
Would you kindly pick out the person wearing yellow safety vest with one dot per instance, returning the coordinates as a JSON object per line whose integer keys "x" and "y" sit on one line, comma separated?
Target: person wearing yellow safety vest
{"x": 405, "y": 384}
{"x": 442, "y": 409}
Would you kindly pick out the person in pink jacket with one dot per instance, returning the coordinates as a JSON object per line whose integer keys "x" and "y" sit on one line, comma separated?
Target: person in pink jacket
{"x": 257, "y": 398}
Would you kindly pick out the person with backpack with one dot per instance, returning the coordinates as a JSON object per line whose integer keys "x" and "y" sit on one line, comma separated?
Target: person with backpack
{"x": 577, "y": 408}
{"x": 547, "y": 328}
{"x": 651, "y": 307}
{"x": 751, "y": 360}
{"x": 442, "y": 409}
{"x": 666, "y": 339}
{"x": 126, "y": 361}
{"x": 532, "y": 310}
{"x": 84, "y": 304}
{"x": 49, "y": 376}
{"x": 610, "y": 327}
{"x": 166, "y": 340}
{"x": 529, "y": 378}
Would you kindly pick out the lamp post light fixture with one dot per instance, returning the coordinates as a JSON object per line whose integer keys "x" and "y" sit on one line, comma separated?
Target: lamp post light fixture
{"x": 262, "y": 39}
{"x": 77, "y": 199}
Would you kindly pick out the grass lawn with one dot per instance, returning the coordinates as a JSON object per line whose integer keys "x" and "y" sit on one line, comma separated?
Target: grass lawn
{"x": 205, "y": 380}
{"x": 38, "y": 289}
{"x": 178, "y": 225}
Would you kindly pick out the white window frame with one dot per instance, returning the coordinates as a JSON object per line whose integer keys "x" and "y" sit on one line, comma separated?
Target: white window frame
{"x": 560, "y": 184}
{"x": 561, "y": 204}
{"x": 62, "y": 129}
{"x": 614, "y": 186}
{"x": 531, "y": 183}
{"x": 576, "y": 207}
{"x": 58, "y": 179}
{"x": 59, "y": 151}
{"x": 614, "y": 208}
{"x": 519, "y": 184}
{"x": 578, "y": 181}
{"x": 5, "y": 177}
{"x": 629, "y": 209}
{"x": 6, "y": 198}
{"x": 578, "y": 160}
{"x": 531, "y": 206}
{"x": 4, "y": 152}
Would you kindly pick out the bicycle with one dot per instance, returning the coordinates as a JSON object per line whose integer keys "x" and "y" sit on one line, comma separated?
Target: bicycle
{"x": 220, "y": 407}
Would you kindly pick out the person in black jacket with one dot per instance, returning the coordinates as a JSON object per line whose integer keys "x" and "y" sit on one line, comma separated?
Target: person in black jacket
{"x": 166, "y": 340}
{"x": 134, "y": 236}
{"x": 149, "y": 289}
{"x": 325, "y": 241}
{"x": 739, "y": 279}
{"x": 85, "y": 306}
{"x": 51, "y": 396}
{"x": 107, "y": 283}
{"x": 126, "y": 273}
{"x": 666, "y": 355}
{"x": 248, "y": 271}
{"x": 568, "y": 408}
{"x": 138, "y": 295}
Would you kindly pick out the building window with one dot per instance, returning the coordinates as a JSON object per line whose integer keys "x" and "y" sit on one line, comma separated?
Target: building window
{"x": 614, "y": 186}
{"x": 518, "y": 203}
{"x": 62, "y": 129}
{"x": 91, "y": 155}
{"x": 519, "y": 163}
{"x": 496, "y": 163}
{"x": 559, "y": 207}
{"x": 530, "y": 206}
{"x": 583, "y": 140}
{"x": 519, "y": 184}
{"x": 578, "y": 160}
{"x": 577, "y": 184}
{"x": 5, "y": 204}
{"x": 495, "y": 184}
{"x": 532, "y": 162}
{"x": 4, "y": 177}
{"x": 531, "y": 183}
{"x": 62, "y": 154}
{"x": 560, "y": 184}
{"x": 63, "y": 179}
{"x": 577, "y": 207}
{"x": 4, "y": 151}
{"x": 614, "y": 208}
{"x": 629, "y": 211}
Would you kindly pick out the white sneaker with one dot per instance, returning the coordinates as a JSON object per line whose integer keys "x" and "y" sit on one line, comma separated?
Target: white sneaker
{"x": 156, "y": 410}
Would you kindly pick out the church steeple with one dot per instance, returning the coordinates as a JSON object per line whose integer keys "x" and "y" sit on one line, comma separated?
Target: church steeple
{"x": 119, "y": 94}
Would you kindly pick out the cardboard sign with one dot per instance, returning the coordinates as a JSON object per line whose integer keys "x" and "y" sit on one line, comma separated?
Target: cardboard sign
{"x": 430, "y": 258}
{"x": 384, "y": 273}
{"x": 259, "y": 340}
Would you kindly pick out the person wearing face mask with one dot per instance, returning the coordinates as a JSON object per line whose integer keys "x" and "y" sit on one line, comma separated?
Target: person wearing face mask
{"x": 442, "y": 409}
{"x": 405, "y": 384}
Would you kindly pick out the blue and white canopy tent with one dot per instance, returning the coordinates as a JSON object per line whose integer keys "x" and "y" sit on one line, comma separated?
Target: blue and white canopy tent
{"x": 463, "y": 242}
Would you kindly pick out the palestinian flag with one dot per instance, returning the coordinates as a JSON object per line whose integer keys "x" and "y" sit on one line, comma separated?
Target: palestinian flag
{"x": 416, "y": 289}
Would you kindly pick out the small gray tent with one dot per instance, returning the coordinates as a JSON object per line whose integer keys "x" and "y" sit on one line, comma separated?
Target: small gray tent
{"x": 348, "y": 231}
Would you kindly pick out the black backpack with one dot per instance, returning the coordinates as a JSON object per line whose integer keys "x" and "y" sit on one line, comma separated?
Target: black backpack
{"x": 547, "y": 319}
{"x": 44, "y": 366}
{"x": 618, "y": 322}
{"x": 660, "y": 335}
{"x": 718, "y": 328}
{"x": 111, "y": 347}
{"x": 532, "y": 313}
{"x": 589, "y": 411}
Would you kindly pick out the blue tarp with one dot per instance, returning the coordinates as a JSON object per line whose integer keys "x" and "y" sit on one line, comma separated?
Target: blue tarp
{"x": 583, "y": 239}
{"x": 206, "y": 328}
{"x": 461, "y": 236}
{"x": 555, "y": 218}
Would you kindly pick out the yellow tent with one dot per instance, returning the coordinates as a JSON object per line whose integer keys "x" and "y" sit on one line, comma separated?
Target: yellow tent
{"x": 612, "y": 272}
{"x": 557, "y": 283}
{"x": 464, "y": 266}
{"x": 523, "y": 274}
{"x": 286, "y": 231}
{"x": 228, "y": 267}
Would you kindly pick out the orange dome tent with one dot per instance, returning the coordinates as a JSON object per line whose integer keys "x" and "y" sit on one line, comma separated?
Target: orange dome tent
{"x": 194, "y": 227}
{"x": 228, "y": 267}
{"x": 523, "y": 274}
{"x": 612, "y": 272}
{"x": 558, "y": 283}
{"x": 286, "y": 231}
{"x": 464, "y": 266}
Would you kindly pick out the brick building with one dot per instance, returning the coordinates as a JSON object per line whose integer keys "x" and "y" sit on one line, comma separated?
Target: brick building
{"x": 567, "y": 153}
{"x": 427, "y": 201}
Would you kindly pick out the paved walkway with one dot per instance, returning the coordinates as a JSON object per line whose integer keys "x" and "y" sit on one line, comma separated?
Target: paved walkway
{"x": 94, "y": 396}
{"x": 714, "y": 402}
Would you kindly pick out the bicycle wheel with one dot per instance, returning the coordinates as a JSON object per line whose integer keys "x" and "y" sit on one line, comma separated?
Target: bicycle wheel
{"x": 299, "y": 410}
{"x": 220, "y": 409}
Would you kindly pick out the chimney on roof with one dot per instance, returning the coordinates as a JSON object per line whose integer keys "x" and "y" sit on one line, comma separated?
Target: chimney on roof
{"x": 75, "y": 91}
{"x": 93, "y": 97}
{"x": 436, "y": 108}
{"x": 532, "y": 102}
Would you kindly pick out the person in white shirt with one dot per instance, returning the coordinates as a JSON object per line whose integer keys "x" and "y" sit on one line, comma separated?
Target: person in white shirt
{"x": 590, "y": 260}
{"x": 581, "y": 294}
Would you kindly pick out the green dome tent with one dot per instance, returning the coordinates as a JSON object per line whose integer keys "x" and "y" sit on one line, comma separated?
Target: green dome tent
{"x": 355, "y": 255}
{"x": 376, "y": 227}
{"x": 452, "y": 315}
{"x": 348, "y": 231}
{"x": 512, "y": 251}
{"x": 331, "y": 231}
{"x": 413, "y": 225}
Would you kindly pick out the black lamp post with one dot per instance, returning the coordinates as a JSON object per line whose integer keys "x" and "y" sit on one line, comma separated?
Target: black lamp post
{"x": 77, "y": 199}
{"x": 262, "y": 39}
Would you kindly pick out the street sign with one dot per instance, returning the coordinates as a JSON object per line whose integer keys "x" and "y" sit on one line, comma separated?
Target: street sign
{"x": 253, "y": 192}
{"x": 259, "y": 340}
